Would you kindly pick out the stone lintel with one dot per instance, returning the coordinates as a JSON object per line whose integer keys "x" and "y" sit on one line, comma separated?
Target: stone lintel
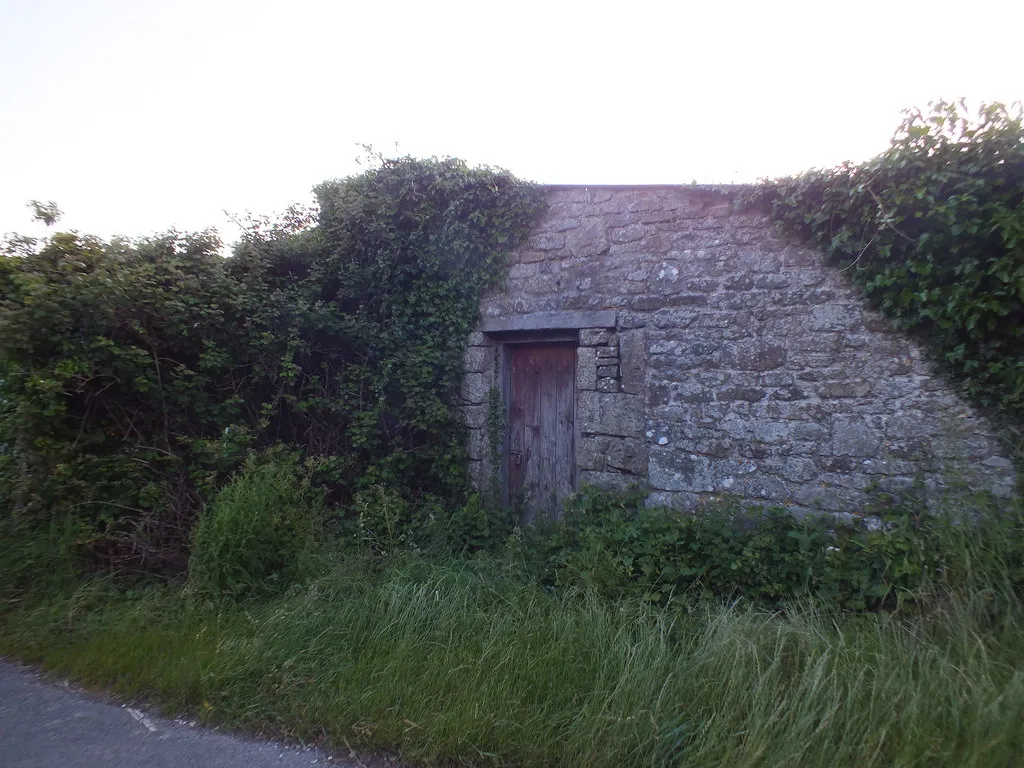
{"x": 549, "y": 321}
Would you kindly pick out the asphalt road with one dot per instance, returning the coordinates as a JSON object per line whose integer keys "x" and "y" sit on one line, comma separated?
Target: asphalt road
{"x": 53, "y": 725}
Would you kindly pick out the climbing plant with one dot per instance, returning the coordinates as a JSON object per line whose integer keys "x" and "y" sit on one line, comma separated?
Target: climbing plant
{"x": 137, "y": 376}
{"x": 933, "y": 231}
{"x": 497, "y": 431}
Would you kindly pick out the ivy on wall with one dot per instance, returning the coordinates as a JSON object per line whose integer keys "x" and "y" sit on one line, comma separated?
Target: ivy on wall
{"x": 136, "y": 376}
{"x": 933, "y": 232}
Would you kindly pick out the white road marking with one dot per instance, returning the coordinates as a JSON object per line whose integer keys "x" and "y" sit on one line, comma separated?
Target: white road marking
{"x": 140, "y": 717}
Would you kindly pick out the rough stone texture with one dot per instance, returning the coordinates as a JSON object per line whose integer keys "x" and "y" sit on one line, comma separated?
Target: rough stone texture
{"x": 591, "y": 337}
{"x": 475, "y": 388}
{"x": 600, "y": 413}
{"x": 745, "y": 363}
{"x": 479, "y": 359}
{"x": 481, "y": 376}
{"x": 632, "y": 360}
{"x": 586, "y": 368}
{"x": 545, "y": 321}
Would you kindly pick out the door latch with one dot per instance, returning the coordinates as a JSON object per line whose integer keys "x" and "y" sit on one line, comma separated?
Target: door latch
{"x": 516, "y": 456}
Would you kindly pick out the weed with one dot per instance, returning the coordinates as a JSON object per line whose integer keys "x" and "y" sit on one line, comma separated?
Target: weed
{"x": 252, "y": 539}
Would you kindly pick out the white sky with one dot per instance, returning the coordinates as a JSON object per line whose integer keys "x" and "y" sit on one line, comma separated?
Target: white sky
{"x": 137, "y": 115}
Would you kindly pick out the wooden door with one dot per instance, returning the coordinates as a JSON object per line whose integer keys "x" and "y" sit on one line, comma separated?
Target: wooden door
{"x": 542, "y": 397}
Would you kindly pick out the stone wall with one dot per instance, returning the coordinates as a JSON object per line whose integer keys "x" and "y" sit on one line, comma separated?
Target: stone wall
{"x": 737, "y": 362}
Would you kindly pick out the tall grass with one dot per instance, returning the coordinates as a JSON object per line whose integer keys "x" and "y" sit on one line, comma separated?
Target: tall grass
{"x": 465, "y": 661}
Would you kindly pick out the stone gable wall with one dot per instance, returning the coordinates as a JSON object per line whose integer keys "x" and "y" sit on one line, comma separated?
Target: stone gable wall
{"x": 738, "y": 363}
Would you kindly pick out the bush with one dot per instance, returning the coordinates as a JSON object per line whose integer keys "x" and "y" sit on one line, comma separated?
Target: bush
{"x": 387, "y": 521}
{"x": 477, "y": 525}
{"x": 259, "y": 532}
{"x": 615, "y": 544}
{"x": 136, "y": 376}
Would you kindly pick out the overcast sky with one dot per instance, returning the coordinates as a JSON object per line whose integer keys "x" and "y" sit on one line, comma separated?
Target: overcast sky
{"x": 136, "y": 115}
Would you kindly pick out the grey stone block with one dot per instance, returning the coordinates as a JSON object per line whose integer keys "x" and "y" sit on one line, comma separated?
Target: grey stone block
{"x": 799, "y": 470}
{"x": 789, "y": 392}
{"x": 586, "y": 368}
{"x": 756, "y": 356}
{"x": 479, "y": 474}
{"x": 747, "y": 394}
{"x": 479, "y": 359}
{"x": 476, "y": 416}
{"x": 761, "y": 487}
{"x": 549, "y": 321}
{"x": 628, "y": 455}
{"x": 854, "y": 436}
{"x": 603, "y": 453}
{"x": 844, "y": 389}
{"x": 592, "y": 452}
{"x": 523, "y": 271}
{"x": 836, "y": 317}
{"x": 478, "y": 445}
{"x": 589, "y": 240}
{"x": 672, "y": 470}
{"x": 548, "y": 242}
{"x": 611, "y": 481}
{"x": 628, "y": 234}
{"x": 592, "y": 337}
{"x": 610, "y": 414}
{"x": 476, "y": 388}
{"x": 633, "y": 360}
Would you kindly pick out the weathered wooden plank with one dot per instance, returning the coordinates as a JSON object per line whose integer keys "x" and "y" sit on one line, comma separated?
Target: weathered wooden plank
{"x": 516, "y": 423}
{"x": 541, "y": 419}
{"x": 531, "y": 458}
{"x": 547, "y": 448}
{"x": 565, "y": 431}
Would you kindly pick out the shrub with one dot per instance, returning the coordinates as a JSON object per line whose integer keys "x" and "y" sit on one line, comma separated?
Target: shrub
{"x": 261, "y": 527}
{"x": 477, "y": 525}
{"x": 615, "y": 544}
{"x": 136, "y": 376}
{"x": 387, "y": 521}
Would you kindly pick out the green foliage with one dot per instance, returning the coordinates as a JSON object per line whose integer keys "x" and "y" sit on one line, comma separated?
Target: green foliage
{"x": 401, "y": 256}
{"x": 135, "y": 377}
{"x": 254, "y": 536}
{"x": 37, "y": 559}
{"x": 933, "y": 231}
{"x": 614, "y": 543}
{"x": 480, "y": 524}
{"x": 387, "y": 522}
{"x": 390, "y": 524}
{"x": 111, "y": 372}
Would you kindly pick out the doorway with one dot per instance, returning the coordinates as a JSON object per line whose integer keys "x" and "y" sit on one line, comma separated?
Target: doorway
{"x": 541, "y": 426}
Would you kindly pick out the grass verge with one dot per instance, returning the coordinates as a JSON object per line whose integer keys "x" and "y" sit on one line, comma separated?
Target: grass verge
{"x": 466, "y": 662}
